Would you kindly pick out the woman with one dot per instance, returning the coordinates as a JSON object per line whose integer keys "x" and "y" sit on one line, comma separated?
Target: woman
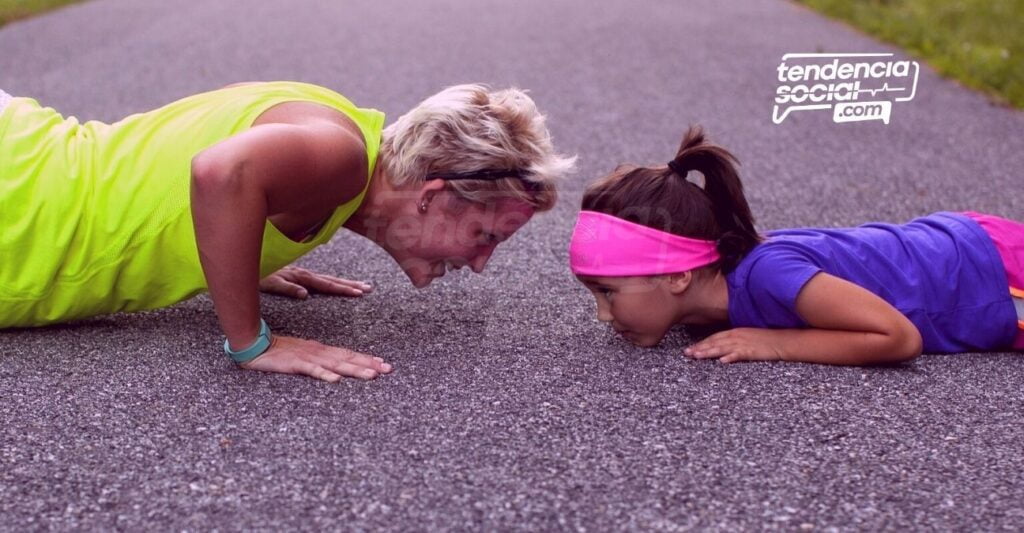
{"x": 220, "y": 191}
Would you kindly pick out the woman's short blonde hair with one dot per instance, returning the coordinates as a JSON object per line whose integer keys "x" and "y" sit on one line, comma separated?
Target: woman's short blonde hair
{"x": 470, "y": 127}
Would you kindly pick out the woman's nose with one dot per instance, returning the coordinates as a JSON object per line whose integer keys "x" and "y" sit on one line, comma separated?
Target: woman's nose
{"x": 480, "y": 261}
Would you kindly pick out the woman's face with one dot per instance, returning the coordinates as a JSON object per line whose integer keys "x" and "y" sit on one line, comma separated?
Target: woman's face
{"x": 452, "y": 233}
{"x": 642, "y": 309}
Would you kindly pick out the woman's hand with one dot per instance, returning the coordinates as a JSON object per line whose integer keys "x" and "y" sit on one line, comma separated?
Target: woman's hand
{"x": 290, "y": 355}
{"x": 739, "y": 344}
{"x": 296, "y": 282}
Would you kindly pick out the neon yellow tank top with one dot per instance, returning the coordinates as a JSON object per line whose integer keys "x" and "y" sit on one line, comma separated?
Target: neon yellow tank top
{"x": 95, "y": 218}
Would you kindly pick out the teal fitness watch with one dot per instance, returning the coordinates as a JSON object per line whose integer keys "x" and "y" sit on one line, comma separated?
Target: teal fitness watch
{"x": 254, "y": 351}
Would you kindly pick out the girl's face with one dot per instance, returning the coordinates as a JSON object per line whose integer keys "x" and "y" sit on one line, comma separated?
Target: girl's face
{"x": 642, "y": 309}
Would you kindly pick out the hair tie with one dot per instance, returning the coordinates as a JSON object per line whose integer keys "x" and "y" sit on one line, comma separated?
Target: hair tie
{"x": 682, "y": 172}
{"x": 677, "y": 168}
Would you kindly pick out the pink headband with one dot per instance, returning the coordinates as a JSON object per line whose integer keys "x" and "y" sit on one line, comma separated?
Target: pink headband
{"x": 604, "y": 245}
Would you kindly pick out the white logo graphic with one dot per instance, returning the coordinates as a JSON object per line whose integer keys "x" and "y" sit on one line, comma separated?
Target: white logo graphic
{"x": 838, "y": 81}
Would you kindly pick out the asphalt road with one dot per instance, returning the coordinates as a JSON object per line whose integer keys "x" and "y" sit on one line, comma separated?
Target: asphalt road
{"x": 511, "y": 407}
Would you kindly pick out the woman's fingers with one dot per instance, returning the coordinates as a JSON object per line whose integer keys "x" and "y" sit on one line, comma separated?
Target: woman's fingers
{"x": 275, "y": 284}
{"x": 351, "y": 370}
{"x": 287, "y": 288}
{"x": 350, "y": 363}
{"x": 320, "y": 372}
{"x": 342, "y": 355}
{"x": 296, "y": 282}
{"x": 328, "y": 284}
{"x": 361, "y": 285}
{"x": 290, "y": 355}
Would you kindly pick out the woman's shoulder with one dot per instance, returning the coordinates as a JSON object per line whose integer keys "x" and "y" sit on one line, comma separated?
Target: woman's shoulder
{"x": 300, "y": 103}
{"x": 299, "y": 90}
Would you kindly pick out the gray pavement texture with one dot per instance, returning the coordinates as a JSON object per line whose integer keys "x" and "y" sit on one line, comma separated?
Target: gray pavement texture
{"x": 511, "y": 406}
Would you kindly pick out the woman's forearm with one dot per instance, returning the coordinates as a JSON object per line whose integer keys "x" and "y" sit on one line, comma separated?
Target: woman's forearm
{"x": 229, "y": 214}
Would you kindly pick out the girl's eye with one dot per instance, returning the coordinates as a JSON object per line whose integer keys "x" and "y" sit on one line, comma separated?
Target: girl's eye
{"x": 605, "y": 291}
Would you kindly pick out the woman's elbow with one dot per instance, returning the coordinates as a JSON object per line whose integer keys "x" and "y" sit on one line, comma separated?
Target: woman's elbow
{"x": 203, "y": 168}
{"x": 212, "y": 173}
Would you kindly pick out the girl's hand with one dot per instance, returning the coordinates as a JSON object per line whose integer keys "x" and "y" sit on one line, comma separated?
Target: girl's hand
{"x": 739, "y": 344}
{"x": 289, "y": 355}
{"x": 296, "y": 282}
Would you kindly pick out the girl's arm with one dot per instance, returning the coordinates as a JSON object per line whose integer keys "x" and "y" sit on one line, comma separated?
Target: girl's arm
{"x": 849, "y": 325}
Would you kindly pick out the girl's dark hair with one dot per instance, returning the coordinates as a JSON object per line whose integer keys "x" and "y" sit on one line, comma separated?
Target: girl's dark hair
{"x": 662, "y": 198}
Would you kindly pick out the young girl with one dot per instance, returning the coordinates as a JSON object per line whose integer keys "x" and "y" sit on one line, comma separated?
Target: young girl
{"x": 657, "y": 249}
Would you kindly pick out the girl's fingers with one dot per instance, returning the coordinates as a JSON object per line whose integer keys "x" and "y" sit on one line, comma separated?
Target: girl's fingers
{"x": 711, "y": 350}
{"x": 731, "y": 358}
{"x": 702, "y": 350}
{"x": 708, "y": 345}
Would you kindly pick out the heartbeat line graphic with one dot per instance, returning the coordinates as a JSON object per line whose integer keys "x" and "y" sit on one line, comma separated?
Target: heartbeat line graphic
{"x": 884, "y": 87}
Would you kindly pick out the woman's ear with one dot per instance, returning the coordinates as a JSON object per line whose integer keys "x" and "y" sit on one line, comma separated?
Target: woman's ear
{"x": 680, "y": 281}
{"x": 427, "y": 192}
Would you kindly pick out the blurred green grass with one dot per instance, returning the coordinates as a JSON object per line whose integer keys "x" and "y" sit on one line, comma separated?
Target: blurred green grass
{"x": 979, "y": 42}
{"x": 11, "y": 10}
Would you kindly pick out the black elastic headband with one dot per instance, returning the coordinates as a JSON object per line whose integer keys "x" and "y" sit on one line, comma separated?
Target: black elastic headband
{"x": 487, "y": 174}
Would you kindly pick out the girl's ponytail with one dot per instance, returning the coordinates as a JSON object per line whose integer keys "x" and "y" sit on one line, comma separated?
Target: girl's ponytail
{"x": 662, "y": 198}
{"x": 723, "y": 187}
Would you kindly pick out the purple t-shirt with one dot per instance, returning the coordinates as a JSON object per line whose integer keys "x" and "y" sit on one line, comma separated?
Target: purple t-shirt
{"x": 942, "y": 271}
